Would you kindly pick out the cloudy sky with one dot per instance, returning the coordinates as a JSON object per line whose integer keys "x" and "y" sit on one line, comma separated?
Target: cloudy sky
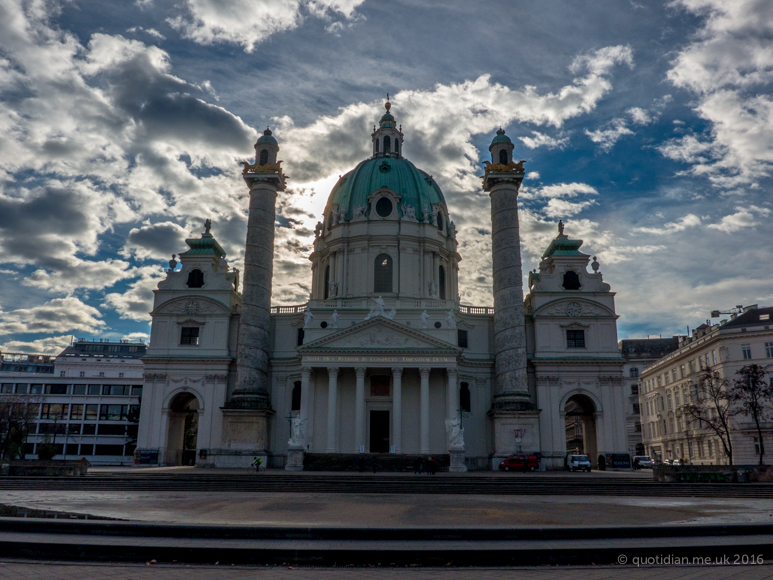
{"x": 646, "y": 126}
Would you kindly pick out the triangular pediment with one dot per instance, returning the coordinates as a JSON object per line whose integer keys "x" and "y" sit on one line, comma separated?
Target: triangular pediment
{"x": 379, "y": 334}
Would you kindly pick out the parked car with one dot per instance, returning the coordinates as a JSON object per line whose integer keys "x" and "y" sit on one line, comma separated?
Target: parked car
{"x": 577, "y": 462}
{"x": 521, "y": 462}
{"x": 642, "y": 462}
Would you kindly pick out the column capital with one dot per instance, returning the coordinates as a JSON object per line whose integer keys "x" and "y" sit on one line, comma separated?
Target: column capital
{"x": 452, "y": 371}
{"x": 424, "y": 371}
{"x": 333, "y": 371}
{"x": 360, "y": 371}
{"x": 306, "y": 370}
{"x": 397, "y": 370}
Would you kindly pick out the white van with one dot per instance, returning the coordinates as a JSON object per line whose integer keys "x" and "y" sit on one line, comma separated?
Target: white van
{"x": 577, "y": 462}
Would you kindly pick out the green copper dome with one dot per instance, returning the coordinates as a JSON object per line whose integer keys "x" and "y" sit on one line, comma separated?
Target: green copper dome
{"x": 267, "y": 137}
{"x": 500, "y": 138}
{"x": 417, "y": 188}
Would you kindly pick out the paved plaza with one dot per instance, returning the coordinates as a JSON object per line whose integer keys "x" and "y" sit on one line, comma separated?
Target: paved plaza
{"x": 389, "y": 510}
{"x": 70, "y": 571}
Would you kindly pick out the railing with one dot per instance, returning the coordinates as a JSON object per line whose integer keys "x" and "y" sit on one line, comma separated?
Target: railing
{"x": 367, "y": 303}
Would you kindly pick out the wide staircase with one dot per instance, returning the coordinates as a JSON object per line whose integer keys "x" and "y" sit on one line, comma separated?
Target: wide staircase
{"x": 365, "y": 461}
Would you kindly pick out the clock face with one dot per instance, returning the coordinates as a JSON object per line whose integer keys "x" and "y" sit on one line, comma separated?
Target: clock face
{"x": 192, "y": 307}
{"x": 574, "y": 309}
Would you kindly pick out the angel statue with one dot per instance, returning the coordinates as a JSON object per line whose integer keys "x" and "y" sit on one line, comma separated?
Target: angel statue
{"x": 308, "y": 319}
{"x": 455, "y": 433}
{"x": 298, "y": 432}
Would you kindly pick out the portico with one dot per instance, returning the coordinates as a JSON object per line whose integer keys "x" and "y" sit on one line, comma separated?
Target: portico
{"x": 362, "y": 388}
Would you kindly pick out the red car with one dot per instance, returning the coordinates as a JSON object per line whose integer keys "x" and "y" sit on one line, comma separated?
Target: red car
{"x": 522, "y": 462}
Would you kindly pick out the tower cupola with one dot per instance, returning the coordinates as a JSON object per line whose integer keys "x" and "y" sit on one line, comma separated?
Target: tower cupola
{"x": 501, "y": 148}
{"x": 387, "y": 139}
{"x": 266, "y": 148}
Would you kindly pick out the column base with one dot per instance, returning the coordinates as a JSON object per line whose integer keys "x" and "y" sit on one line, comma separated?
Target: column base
{"x": 246, "y": 431}
{"x": 248, "y": 399}
{"x": 456, "y": 464}
{"x": 515, "y": 431}
{"x": 294, "y": 458}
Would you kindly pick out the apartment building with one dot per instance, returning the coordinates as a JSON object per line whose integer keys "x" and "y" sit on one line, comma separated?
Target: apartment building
{"x": 670, "y": 383}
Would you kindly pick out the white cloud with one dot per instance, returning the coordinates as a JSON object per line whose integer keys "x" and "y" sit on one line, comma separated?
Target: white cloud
{"x": 57, "y": 315}
{"x": 541, "y": 140}
{"x": 532, "y": 175}
{"x": 249, "y": 22}
{"x": 556, "y": 190}
{"x": 137, "y": 301}
{"x": 607, "y": 137}
{"x": 745, "y": 217}
{"x": 639, "y": 116}
{"x": 47, "y": 345}
{"x": 683, "y": 223}
{"x": 561, "y": 208}
{"x": 136, "y": 336}
{"x": 725, "y": 66}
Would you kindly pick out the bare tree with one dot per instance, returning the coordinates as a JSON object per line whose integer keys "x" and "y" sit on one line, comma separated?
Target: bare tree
{"x": 712, "y": 408}
{"x": 753, "y": 396}
{"x": 17, "y": 413}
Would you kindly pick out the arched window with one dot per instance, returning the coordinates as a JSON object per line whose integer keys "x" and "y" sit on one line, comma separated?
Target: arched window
{"x": 195, "y": 279}
{"x": 295, "y": 403}
{"x": 442, "y": 282}
{"x": 571, "y": 281}
{"x": 397, "y": 146}
{"x": 387, "y": 144}
{"x": 327, "y": 282}
{"x": 440, "y": 221}
{"x": 264, "y": 157}
{"x": 377, "y": 145}
{"x": 382, "y": 274}
{"x": 464, "y": 397}
{"x": 503, "y": 157}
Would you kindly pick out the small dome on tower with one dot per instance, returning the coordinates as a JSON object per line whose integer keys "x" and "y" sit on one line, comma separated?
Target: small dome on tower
{"x": 500, "y": 138}
{"x": 267, "y": 137}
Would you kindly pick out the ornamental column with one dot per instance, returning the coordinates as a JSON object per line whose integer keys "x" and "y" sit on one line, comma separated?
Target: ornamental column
{"x": 397, "y": 409}
{"x": 424, "y": 411}
{"x": 512, "y": 407}
{"x": 332, "y": 410}
{"x": 359, "y": 410}
{"x": 247, "y": 413}
{"x": 264, "y": 179}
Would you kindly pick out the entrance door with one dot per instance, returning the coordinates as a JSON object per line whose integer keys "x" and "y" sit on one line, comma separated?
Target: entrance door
{"x": 379, "y": 431}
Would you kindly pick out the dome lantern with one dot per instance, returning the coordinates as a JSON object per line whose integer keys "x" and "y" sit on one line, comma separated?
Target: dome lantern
{"x": 501, "y": 148}
{"x": 387, "y": 139}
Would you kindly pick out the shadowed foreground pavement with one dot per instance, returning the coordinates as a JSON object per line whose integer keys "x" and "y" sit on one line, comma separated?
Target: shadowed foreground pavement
{"x": 71, "y": 571}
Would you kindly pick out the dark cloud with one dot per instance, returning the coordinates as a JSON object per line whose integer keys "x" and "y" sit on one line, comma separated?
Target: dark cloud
{"x": 157, "y": 240}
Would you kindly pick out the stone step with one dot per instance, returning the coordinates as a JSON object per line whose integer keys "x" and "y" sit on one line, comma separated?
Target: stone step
{"x": 385, "y": 462}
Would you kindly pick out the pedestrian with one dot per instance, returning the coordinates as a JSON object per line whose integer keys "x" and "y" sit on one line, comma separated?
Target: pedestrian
{"x": 432, "y": 465}
{"x": 417, "y": 465}
{"x": 374, "y": 465}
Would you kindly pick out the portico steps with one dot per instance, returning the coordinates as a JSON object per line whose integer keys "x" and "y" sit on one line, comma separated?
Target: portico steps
{"x": 384, "y": 462}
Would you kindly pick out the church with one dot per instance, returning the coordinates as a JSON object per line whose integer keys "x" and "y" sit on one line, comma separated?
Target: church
{"x": 383, "y": 361}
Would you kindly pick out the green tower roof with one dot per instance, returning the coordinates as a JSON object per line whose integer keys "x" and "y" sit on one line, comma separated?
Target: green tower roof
{"x": 416, "y": 187}
{"x": 500, "y": 138}
{"x": 267, "y": 137}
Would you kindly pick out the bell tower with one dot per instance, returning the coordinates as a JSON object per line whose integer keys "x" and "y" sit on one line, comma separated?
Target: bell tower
{"x": 387, "y": 139}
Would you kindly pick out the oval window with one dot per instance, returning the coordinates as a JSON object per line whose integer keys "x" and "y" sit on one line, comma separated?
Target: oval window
{"x": 384, "y": 207}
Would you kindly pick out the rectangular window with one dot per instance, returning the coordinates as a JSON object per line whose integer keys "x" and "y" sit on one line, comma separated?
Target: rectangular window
{"x": 636, "y": 408}
{"x": 673, "y": 375}
{"x": 692, "y": 366}
{"x": 115, "y": 390}
{"x": 71, "y": 449}
{"x": 91, "y": 412}
{"x": 120, "y": 375}
{"x": 769, "y": 349}
{"x": 756, "y": 446}
{"x": 89, "y": 428}
{"x": 634, "y": 389}
{"x": 575, "y": 339}
{"x": 464, "y": 397}
{"x": 79, "y": 389}
{"x": 94, "y": 389}
{"x": 109, "y": 450}
{"x": 711, "y": 448}
{"x": 190, "y": 335}
{"x": 87, "y": 449}
{"x": 74, "y": 429}
{"x": 634, "y": 372}
{"x": 111, "y": 429}
{"x": 61, "y": 373}
{"x": 76, "y": 412}
{"x": 746, "y": 349}
{"x": 7, "y": 387}
{"x": 676, "y": 398}
{"x": 714, "y": 357}
{"x": 461, "y": 338}
{"x": 681, "y": 371}
{"x": 136, "y": 391}
{"x": 301, "y": 334}
{"x": 53, "y": 411}
{"x": 82, "y": 374}
{"x": 113, "y": 412}
{"x": 36, "y": 389}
